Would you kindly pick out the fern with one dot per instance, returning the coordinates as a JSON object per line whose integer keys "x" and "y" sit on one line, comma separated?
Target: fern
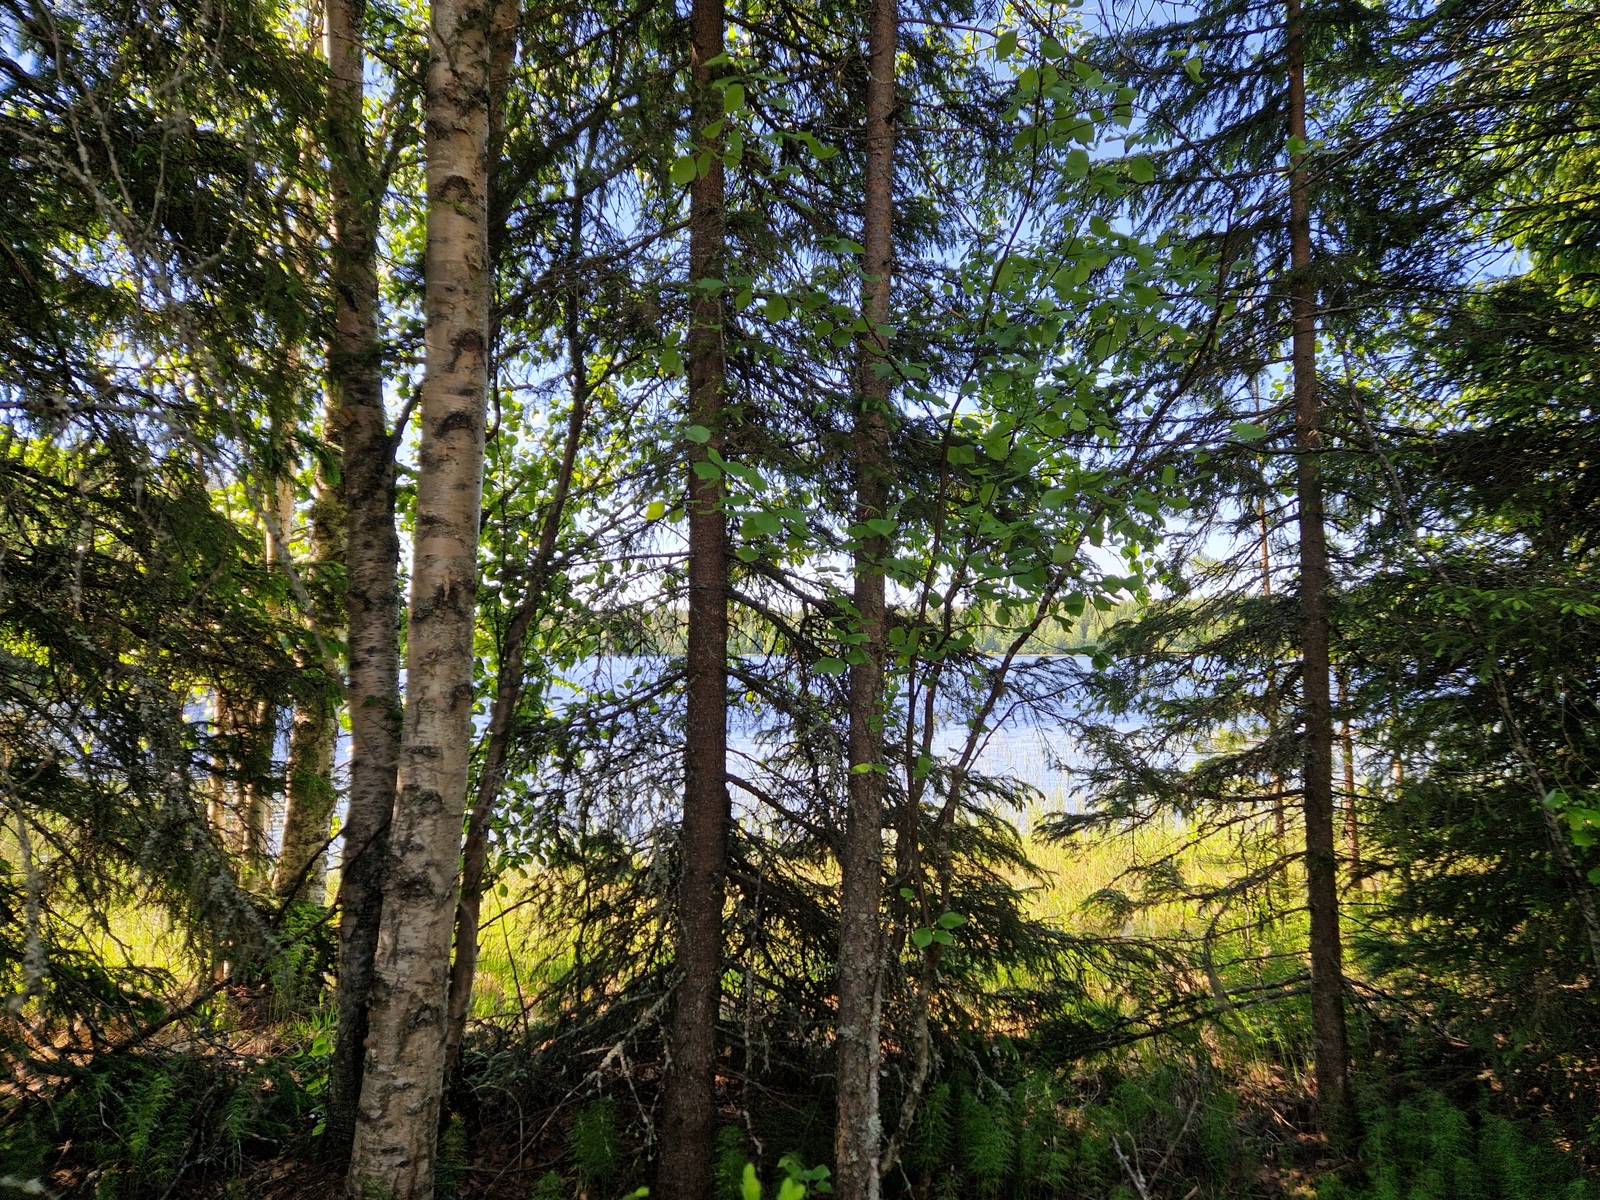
{"x": 1425, "y": 1148}
{"x": 932, "y": 1143}
{"x": 986, "y": 1144}
{"x": 550, "y": 1186}
{"x": 731, "y": 1156}
{"x": 596, "y": 1148}
{"x": 143, "y": 1114}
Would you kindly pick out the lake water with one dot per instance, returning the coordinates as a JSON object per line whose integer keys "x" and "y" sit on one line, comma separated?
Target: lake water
{"x": 1038, "y": 754}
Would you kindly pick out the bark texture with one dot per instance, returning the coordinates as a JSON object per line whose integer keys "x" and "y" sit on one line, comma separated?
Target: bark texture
{"x": 688, "y": 1120}
{"x": 371, "y": 557}
{"x": 508, "y": 694}
{"x": 1329, "y": 1039}
{"x": 302, "y": 868}
{"x": 857, "y": 1131}
{"x": 397, "y": 1122}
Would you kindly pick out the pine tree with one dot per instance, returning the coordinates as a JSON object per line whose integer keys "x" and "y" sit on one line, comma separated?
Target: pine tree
{"x": 857, "y": 1138}
{"x": 689, "y": 1115}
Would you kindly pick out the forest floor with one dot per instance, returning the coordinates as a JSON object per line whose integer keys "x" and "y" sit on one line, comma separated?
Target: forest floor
{"x": 1219, "y": 1110}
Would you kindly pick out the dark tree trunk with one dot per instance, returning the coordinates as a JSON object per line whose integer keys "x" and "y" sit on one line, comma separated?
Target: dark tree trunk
{"x": 1331, "y": 1047}
{"x": 857, "y": 1137}
{"x": 309, "y": 792}
{"x": 246, "y": 724}
{"x": 301, "y": 872}
{"x": 372, "y": 553}
{"x": 1352, "y": 817}
{"x": 689, "y": 1112}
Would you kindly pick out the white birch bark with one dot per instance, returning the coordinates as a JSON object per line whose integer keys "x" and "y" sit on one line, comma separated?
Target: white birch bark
{"x": 397, "y": 1120}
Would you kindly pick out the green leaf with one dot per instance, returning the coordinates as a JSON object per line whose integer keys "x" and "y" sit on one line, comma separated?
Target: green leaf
{"x": 1247, "y": 431}
{"x": 683, "y": 170}
{"x": 952, "y": 920}
{"x": 922, "y": 937}
{"x": 1006, "y": 44}
{"x": 655, "y": 510}
{"x": 1142, "y": 169}
{"x": 777, "y": 308}
{"x": 883, "y": 526}
{"x": 698, "y": 433}
{"x": 1191, "y": 68}
{"x": 733, "y": 98}
{"x": 707, "y": 470}
{"x": 750, "y": 1188}
{"x": 830, "y": 666}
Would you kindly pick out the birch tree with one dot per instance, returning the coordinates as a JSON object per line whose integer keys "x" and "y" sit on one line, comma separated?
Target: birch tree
{"x": 371, "y": 555}
{"x": 396, "y": 1128}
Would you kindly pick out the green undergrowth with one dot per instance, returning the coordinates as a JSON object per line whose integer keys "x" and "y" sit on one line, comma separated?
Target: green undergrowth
{"x": 166, "y": 1122}
{"x": 1426, "y": 1148}
{"x": 1044, "y": 1136}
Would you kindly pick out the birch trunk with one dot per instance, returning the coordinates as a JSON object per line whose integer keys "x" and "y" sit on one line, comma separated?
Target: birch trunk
{"x": 397, "y": 1123}
{"x": 1330, "y": 1043}
{"x": 857, "y": 1132}
{"x": 509, "y": 685}
{"x": 371, "y": 556}
{"x": 257, "y": 807}
{"x": 689, "y": 1110}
